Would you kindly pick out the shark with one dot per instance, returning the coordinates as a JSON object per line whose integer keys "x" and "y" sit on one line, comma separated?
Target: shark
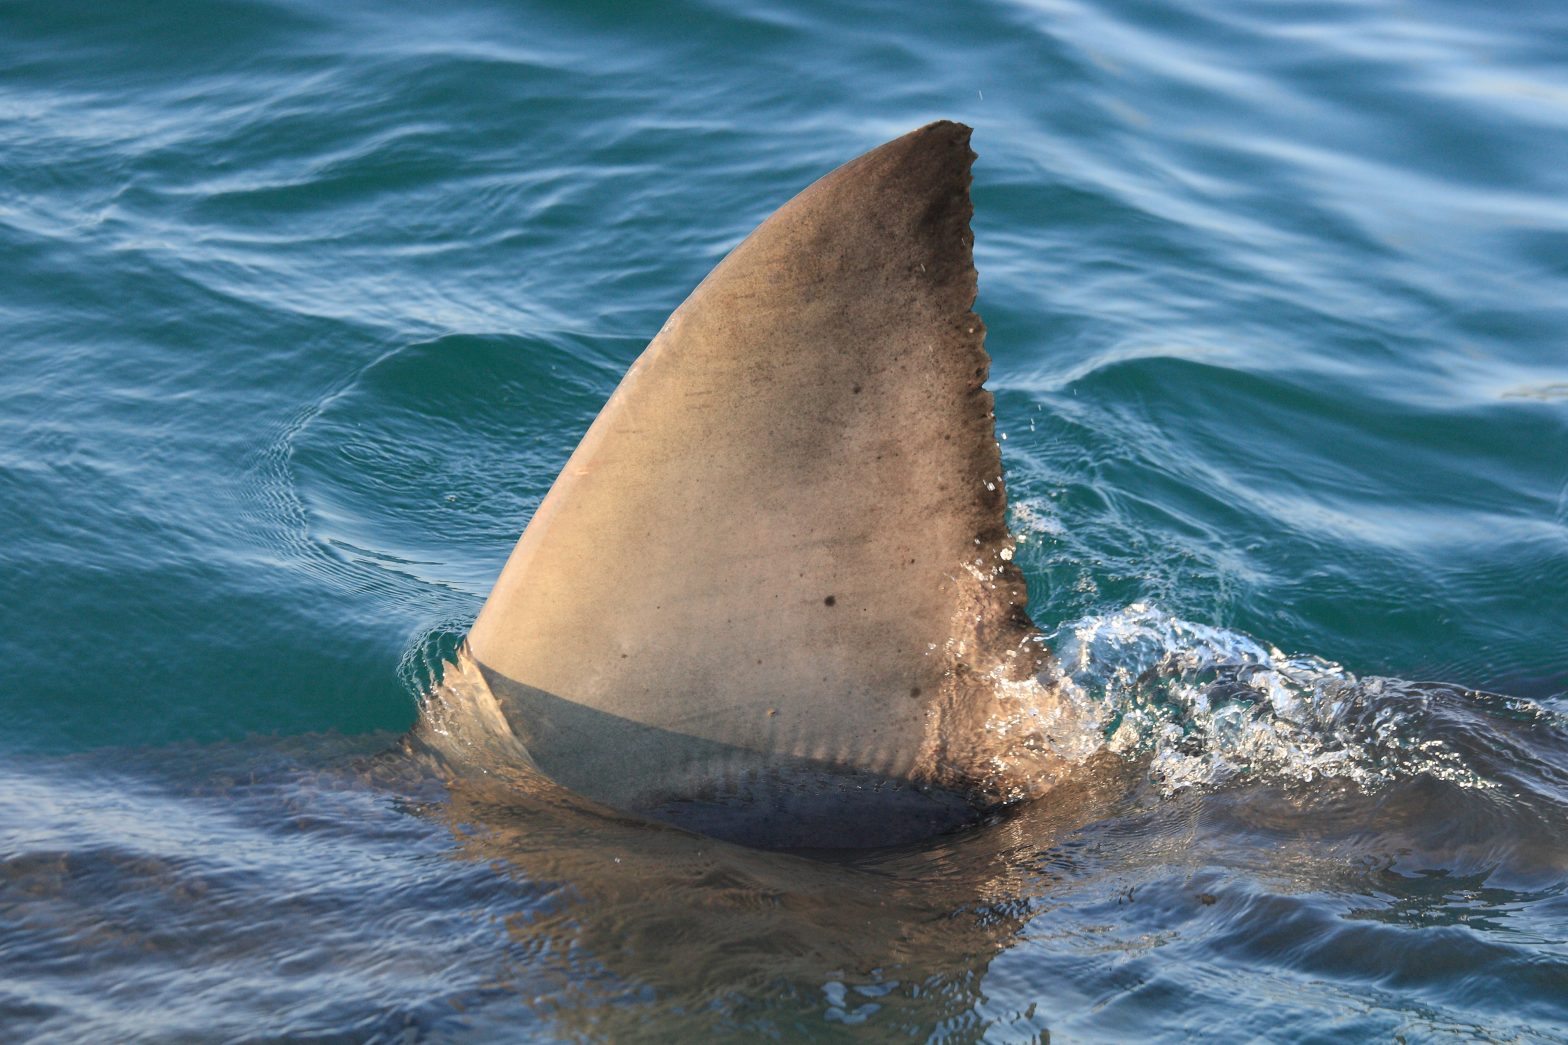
{"x": 772, "y": 595}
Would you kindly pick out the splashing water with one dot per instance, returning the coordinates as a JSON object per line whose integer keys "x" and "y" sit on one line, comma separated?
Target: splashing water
{"x": 1206, "y": 705}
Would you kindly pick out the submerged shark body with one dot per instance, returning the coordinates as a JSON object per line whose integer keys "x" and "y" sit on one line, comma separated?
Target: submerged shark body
{"x": 774, "y": 582}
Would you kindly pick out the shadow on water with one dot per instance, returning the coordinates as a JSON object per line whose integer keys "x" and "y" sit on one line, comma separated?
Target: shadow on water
{"x": 716, "y": 937}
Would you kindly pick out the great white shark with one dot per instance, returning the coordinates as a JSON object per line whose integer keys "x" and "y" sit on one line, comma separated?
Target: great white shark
{"x": 772, "y": 593}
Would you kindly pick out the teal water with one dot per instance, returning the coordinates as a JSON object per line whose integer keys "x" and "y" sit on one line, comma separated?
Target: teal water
{"x": 303, "y": 306}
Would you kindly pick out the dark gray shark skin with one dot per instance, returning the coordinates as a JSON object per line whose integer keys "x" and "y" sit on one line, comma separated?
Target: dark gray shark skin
{"x": 775, "y": 581}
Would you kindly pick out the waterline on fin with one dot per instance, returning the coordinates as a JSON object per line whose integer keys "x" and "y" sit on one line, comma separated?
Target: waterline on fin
{"x": 789, "y": 804}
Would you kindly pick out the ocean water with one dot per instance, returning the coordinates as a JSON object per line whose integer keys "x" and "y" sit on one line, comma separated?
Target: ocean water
{"x": 302, "y": 306}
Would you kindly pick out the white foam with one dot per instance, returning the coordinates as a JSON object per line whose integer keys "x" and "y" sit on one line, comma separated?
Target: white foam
{"x": 1206, "y": 704}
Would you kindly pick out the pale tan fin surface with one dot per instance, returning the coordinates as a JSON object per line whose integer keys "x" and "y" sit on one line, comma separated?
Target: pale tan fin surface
{"x": 782, "y": 543}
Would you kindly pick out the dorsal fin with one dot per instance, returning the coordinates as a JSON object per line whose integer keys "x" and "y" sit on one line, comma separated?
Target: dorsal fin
{"x": 781, "y": 547}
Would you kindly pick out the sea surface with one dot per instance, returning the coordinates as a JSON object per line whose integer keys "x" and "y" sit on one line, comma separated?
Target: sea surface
{"x": 303, "y": 305}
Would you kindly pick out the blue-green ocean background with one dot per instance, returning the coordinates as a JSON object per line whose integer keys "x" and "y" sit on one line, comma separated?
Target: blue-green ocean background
{"x": 302, "y": 306}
